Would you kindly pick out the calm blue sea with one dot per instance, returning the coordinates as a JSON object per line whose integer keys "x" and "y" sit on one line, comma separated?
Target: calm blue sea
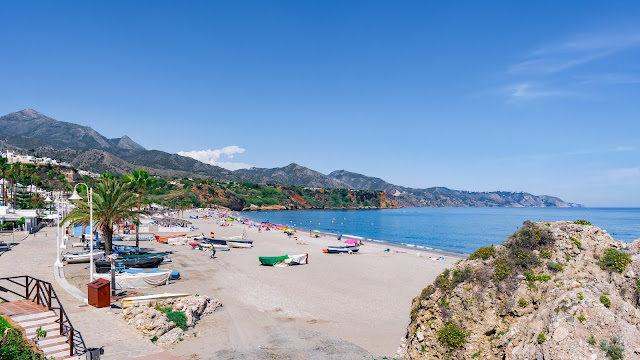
{"x": 461, "y": 230}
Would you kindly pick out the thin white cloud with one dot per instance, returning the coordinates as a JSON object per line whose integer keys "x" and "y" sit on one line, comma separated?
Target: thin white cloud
{"x": 213, "y": 156}
{"x": 559, "y": 57}
{"x": 529, "y": 91}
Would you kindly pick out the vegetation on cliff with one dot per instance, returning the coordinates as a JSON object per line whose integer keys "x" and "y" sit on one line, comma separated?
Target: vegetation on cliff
{"x": 559, "y": 290}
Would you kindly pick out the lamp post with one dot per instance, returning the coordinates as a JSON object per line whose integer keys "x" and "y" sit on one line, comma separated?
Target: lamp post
{"x": 73, "y": 197}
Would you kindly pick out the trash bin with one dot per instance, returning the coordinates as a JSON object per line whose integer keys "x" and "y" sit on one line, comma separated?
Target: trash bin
{"x": 94, "y": 353}
{"x": 98, "y": 293}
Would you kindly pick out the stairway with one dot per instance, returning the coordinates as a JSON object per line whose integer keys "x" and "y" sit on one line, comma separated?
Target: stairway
{"x": 29, "y": 316}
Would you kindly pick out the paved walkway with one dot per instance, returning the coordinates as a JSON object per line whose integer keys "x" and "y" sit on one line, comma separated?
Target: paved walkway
{"x": 35, "y": 256}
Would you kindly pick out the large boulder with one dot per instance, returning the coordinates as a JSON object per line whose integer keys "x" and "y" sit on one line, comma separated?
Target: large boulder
{"x": 148, "y": 320}
{"x": 170, "y": 337}
{"x": 194, "y": 307}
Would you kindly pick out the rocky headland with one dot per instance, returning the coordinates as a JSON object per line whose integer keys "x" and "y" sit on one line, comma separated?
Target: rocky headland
{"x": 558, "y": 290}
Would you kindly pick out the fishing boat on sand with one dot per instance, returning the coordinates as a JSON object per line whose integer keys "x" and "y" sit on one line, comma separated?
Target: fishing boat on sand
{"x": 349, "y": 249}
{"x": 205, "y": 246}
{"x": 142, "y": 278}
{"x": 285, "y": 260}
{"x": 240, "y": 244}
{"x": 74, "y": 257}
{"x": 104, "y": 265}
{"x": 163, "y": 239}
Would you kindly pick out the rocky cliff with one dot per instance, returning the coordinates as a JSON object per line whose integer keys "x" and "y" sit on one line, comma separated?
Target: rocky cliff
{"x": 552, "y": 291}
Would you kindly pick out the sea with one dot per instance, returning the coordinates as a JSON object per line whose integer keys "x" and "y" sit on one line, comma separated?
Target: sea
{"x": 454, "y": 230}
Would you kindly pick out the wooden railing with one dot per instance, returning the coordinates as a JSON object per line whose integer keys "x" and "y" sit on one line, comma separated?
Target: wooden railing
{"x": 42, "y": 293}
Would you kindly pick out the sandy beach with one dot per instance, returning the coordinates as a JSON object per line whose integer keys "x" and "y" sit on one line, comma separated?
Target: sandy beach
{"x": 338, "y": 306}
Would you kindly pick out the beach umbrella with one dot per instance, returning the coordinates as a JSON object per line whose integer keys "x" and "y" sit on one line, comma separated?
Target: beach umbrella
{"x": 316, "y": 231}
{"x": 351, "y": 241}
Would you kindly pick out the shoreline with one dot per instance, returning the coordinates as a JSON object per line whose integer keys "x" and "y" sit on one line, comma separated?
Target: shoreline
{"x": 389, "y": 243}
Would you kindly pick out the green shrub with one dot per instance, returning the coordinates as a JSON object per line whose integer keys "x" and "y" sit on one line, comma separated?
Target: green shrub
{"x": 523, "y": 303}
{"x": 605, "y": 301}
{"x": 154, "y": 338}
{"x": 614, "y": 349}
{"x": 613, "y": 259}
{"x": 460, "y": 276}
{"x": 531, "y": 278}
{"x": 502, "y": 269}
{"x": 442, "y": 281}
{"x": 591, "y": 340}
{"x": 582, "y": 222}
{"x": 576, "y": 242}
{"x": 532, "y": 237}
{"x": 541, "y": 338}
{"x": 15, "y": 346}
{"x": 580, "y": 296}
{"x": 545, "y": 254}
{"x": 427, "y": 292}
{"x": 451, "y": 336}
{"x": 483, "y": 253}
{"x": 581, "y": 318}
{"x": 555, "y": 266}
{"x": 179, "y": 318}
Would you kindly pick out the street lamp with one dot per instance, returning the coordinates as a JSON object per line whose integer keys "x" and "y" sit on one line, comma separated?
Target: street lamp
{"x": 74, "y": 197}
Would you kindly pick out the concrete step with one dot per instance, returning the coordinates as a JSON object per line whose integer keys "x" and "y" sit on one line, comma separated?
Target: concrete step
{"x": 52, "y": 340}
{"x": 47, "y": 328}
{"x": 39, "y": 322}
{"x": 55, "y": 349}
{"x": 18, "y": 319}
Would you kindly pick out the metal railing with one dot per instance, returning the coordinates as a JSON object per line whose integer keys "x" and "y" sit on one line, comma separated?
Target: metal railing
{"x": 42, "y": 293}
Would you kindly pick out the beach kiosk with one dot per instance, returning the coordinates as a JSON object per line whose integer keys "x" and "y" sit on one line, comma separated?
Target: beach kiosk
{"x": 98, "y": 293}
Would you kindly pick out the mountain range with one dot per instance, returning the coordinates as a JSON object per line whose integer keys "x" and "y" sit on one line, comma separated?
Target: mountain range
{"x": 85, "y": 148}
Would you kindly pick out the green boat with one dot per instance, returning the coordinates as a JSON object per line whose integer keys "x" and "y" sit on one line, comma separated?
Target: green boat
{"x": 284, "y": 260}
{"x": 272, "y": 260}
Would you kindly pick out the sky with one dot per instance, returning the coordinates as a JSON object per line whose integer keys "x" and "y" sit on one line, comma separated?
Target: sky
{"x": 542, "y": 97}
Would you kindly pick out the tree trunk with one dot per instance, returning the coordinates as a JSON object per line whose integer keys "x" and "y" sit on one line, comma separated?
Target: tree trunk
{"x": 138, "y": 222}
{"x": 108, "y": 236}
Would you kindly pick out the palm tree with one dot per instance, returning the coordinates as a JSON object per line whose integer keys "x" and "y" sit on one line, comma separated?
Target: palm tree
{"x": 4, "y": 168}
{"x": 139, "y": 180}
{"x": 15, "y": 172}
{"x": 112, "y": 202}
{"x": 36, "y": 181}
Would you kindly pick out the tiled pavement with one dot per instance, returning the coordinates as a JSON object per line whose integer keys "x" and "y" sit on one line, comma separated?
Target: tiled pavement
{"x": 98, "y": 327}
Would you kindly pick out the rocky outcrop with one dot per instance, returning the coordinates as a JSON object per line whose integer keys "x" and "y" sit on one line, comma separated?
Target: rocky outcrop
{"x": 552, "y": 291}
{"x": 170, "y": 337}
{"x": 194, "y": 307}
{"x": 148, "y": 320}
{"x": 155, "y": 323}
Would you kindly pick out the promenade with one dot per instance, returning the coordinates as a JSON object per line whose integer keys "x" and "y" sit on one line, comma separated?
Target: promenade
{"x": 35, "y": 256}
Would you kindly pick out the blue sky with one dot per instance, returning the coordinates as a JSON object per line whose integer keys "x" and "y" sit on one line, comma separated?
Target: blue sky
{"x": 540, "y": 97}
